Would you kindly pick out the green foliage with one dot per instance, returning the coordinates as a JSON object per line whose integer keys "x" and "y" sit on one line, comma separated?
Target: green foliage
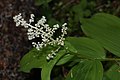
{"x": 33, "y": 59}
{"x": 87, "y": 48}
{"x": 79, "y": 9}
{"x": 65, "y": 59}
{"x": 86, "y": 70}
{"x": 113, "y": 73}
{"x": 104, "y": 28}
{"x": 46, "y": 70}
{"x": 82, "y": 57}
{"x": 70, "y": 47}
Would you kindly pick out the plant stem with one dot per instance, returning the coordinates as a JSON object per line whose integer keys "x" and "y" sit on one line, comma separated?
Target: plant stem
{"x": 109, "y": 59}
{"x": 100, "y": 59}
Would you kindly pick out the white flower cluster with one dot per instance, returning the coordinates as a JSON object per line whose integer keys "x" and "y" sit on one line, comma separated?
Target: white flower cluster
{"x": 42, "y": 29}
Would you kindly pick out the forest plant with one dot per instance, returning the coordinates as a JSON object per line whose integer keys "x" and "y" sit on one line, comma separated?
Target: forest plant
{"x": 84, "y": 54}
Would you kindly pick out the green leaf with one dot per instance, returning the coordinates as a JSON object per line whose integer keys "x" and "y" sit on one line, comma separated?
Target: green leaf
{"x": 46, "y": 70}
{"x": 80, "y": 8}
{"x": 87, "y": 48}
{"x": 69, "y": 47}
{"x": 113, "y": 73}
{"x": 86, "y": 70}
{"x": 40, "y": 2}
{"x": 65, "y": 59}
{"x": 104, "y": 28}
{"x": 33, "y": 59}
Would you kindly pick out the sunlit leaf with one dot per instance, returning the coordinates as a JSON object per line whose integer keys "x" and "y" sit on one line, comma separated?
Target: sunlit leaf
{"x": 104, "y": 28}
{"x": 86, "y": 47}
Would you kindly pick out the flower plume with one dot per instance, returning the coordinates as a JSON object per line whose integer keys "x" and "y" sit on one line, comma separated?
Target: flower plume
{"x": 43, "y": 30}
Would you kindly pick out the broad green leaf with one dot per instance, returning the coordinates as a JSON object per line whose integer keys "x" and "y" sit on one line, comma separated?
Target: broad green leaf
{"x": 113, "y": 73}
{"x": 65, "y": 59}
{"x": 104, "y": 28}
{"x": 86, "y": 47}
{"x": 86, "y": 70}
{"x": 33, "y": 59}
{"x": 40, "y": 2}
{"x": 47, "y": 68}
{"x": 69, "y": 47}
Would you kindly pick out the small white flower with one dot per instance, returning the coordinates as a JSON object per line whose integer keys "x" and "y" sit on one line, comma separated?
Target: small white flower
{"x": 31, "y": 18}
{"x": 48, "y": 58}
{"x": 18, "y": 23}
{"x": 64, "y": 25}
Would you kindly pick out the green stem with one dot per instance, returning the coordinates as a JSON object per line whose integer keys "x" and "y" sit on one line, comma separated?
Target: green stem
{"x": 110, "y": 59}
{"x": 104, "y": 59}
